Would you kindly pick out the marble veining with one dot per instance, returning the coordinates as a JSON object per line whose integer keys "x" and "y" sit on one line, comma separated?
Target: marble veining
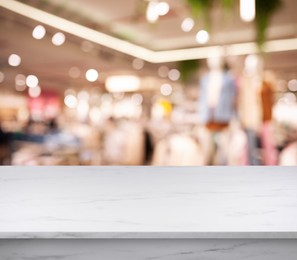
{"x": 148, "y": 202}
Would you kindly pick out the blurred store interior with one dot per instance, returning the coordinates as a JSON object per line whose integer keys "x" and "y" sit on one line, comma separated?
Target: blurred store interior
{"x": 148, "y": 82}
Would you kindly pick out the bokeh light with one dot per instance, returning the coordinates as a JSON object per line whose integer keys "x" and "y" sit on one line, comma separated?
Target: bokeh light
{"x": 39, "y": 32}
{"x": 187, "y": 24}
{"x": 14, "y": 60}
{"x": 92, "y": 75}
{"x": 166, "y": 89}
{"x": 58, "y": 39}
{"x": 32, "y": 81}
{"x": 174, "y": 74}
{"x": 70, "y": 101}
{"x": 292, "y": 85}
{"x": 202, "y": 37}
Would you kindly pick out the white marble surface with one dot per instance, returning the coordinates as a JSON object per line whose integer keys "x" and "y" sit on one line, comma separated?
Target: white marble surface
{"x": 148, "y": 202}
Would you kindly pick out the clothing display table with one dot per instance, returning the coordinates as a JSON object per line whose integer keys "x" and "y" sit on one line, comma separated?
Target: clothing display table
{"x": 135, "y": 213}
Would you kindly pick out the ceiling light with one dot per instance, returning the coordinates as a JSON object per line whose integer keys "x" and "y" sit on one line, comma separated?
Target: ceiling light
{"x": 174, "y": 74}
{"x": 92, "y": 75}
{"x": 138, "y": 51}
{"x": 32, "y": 81}
{"x": 152, "y": 13}
{"x": 70, "y": 101}
{"x": 122, "y": 83}
{"x": 166, "y": 89}
{"x": 38, "y": 32}
{"x": 162, "y": 8}
{"x": 247, "y": 10}
{"x": 14, "y": 60}
{"x": 187, "y": 24}
{"x": 202, "y": 37}
{"x": 34, "y": 92}
{"x": 58, "y": 39}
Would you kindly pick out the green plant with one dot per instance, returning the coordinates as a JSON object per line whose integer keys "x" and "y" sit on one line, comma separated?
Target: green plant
{"x": 264, "y": 11}
{"x": 187, "y": 69}
{"x": 201, "y": 8}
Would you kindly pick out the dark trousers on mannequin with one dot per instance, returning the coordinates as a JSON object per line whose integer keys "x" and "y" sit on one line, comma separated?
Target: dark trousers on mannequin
{"x": 252, "y": 147}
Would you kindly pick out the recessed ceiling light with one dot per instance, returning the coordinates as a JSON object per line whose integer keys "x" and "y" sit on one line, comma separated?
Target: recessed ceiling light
{"x": 202, "y": 37}
{"x": 32, "y": 81}
{"x": 58, "y": 38}
{"x": 162, "y": 8}
{"x": 152, "y": 14}
{"x": 247, "y": 10}
{"x": 14, "y": 60}
{"x": 92, "y": 75}
{"x": 38, "y": 32}
{"x": 187, "y": 24}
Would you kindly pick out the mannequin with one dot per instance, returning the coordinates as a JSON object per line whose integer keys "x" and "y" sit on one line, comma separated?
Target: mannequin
{"x": 217, "y": 95}
{"x": 255, "y": 104}
{"x": 217, "y": 103}
{"x": 249, "y": 105}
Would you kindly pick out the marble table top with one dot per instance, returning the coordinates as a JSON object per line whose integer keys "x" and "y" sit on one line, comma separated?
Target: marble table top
{"x": 148, "y": 202}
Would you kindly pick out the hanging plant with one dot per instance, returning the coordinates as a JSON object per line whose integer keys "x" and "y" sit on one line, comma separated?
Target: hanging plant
{"x": 187, "y": 69}
{"x": 228, "y": 4}
{"x": 201, "y": 8}
{"x": 264, "y": 11}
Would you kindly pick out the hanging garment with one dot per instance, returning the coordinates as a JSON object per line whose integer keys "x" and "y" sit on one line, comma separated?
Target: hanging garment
{"x": 267, "y": 97}
{"x": 225, "y": 107}
{"x": 249, "y": 103}
{"x": 269, "y": 152}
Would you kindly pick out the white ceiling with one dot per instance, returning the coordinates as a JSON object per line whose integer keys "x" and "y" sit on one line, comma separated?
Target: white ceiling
{"x": 123, "y": 19}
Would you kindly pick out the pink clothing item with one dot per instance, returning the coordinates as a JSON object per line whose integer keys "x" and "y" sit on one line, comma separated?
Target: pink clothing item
{"x": 269, "y": 150}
